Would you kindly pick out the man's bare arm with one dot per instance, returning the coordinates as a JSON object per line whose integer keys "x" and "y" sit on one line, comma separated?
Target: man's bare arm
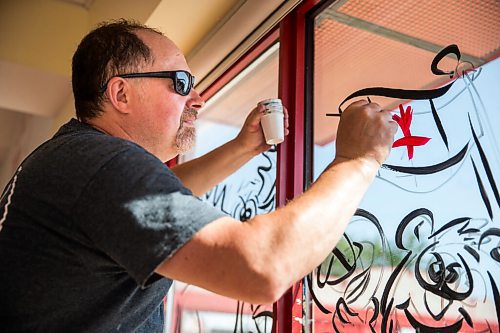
{"x": 258, "y": 260}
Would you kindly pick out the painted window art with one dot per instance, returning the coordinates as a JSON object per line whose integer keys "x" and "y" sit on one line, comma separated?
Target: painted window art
{"x": 437, "y": 270}
{"x": 422, "y": 253}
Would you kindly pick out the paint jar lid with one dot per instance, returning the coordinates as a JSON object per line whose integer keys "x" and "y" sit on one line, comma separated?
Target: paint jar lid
{"x": 272, "y": 105}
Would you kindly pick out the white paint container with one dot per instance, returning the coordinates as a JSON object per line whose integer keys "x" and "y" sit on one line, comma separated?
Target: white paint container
{"x": 272, "y": 121}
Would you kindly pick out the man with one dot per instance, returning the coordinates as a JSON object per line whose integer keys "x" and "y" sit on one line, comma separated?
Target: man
{"x": 94, "y": 226}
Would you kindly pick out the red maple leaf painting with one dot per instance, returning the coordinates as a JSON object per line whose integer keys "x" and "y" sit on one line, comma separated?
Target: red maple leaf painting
{"x": 408, "y": 140}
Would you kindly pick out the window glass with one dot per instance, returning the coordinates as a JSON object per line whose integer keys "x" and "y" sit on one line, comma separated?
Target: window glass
{"x": 422, "y": 253}
{"x": 249, "y": 191}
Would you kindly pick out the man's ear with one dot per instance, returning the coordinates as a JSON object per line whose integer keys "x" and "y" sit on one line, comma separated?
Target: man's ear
{"x": 118, "y": 91}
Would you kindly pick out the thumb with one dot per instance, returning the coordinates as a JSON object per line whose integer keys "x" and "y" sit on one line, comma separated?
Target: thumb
{"x": 255, "y": 116}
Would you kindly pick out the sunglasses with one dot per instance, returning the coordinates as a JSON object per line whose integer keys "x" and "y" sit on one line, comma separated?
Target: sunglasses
{"x": 183, "y": 80}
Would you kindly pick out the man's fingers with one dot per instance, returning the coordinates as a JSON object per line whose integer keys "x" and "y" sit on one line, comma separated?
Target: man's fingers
{"x": 359, "y": 103}
{"x": 387, "y": 114}
{"x": 387, "y": 117}
{"x": 255, "y": 115}
{"x": 374, "y": 106}
{"x": 260, "y": 108}
{"x": 363, "y": 103}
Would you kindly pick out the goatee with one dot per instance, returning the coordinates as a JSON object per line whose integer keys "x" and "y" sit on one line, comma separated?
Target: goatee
{"x": 186, "y": 135}
{"x": 185, "y": 139}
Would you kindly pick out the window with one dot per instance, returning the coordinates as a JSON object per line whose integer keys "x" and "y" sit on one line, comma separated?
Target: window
{"x": 422, "y": 252}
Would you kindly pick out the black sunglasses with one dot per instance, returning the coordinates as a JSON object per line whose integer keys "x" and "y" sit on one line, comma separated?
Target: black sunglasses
{"x": 183, "y": 80}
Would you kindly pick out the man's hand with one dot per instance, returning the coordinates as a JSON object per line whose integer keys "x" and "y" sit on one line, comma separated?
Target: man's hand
{"x": 366, "y": 132}
{"x": 251, "y": 136}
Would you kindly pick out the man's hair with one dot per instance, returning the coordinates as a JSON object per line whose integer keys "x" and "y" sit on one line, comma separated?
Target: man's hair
{"x": 112, "y": 48}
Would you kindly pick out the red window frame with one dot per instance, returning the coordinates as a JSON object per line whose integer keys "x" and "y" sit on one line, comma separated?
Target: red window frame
{"x": 290, "y": 180}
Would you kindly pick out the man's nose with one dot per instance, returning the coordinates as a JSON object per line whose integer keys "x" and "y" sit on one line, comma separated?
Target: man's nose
{"x": 195, "y": 100}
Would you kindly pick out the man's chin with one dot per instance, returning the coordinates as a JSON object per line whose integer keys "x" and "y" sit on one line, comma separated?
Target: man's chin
{"x": 182, "y": 149}
{"x": 185, "y": 139}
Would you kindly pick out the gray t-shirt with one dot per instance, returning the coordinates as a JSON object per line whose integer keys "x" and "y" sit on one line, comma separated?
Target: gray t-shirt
{"x": 84, "y": 222}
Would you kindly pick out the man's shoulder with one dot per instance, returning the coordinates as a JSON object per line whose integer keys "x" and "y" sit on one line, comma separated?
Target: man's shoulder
{"x": 95, "y": 151}
{"x": 80, "y": 141}
{"x": 84, "y": 134}
{"x": 79, "y": 151}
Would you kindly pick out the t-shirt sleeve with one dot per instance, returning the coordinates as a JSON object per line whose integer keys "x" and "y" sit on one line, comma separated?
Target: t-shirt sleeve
{"x": 138, "y": 213}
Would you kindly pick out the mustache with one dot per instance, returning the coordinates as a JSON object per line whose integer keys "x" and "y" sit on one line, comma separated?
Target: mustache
{"x": 188, "y": 113}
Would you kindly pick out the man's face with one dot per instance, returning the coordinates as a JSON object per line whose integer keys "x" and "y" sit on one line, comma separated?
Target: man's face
{"x": 165, "y": 118}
